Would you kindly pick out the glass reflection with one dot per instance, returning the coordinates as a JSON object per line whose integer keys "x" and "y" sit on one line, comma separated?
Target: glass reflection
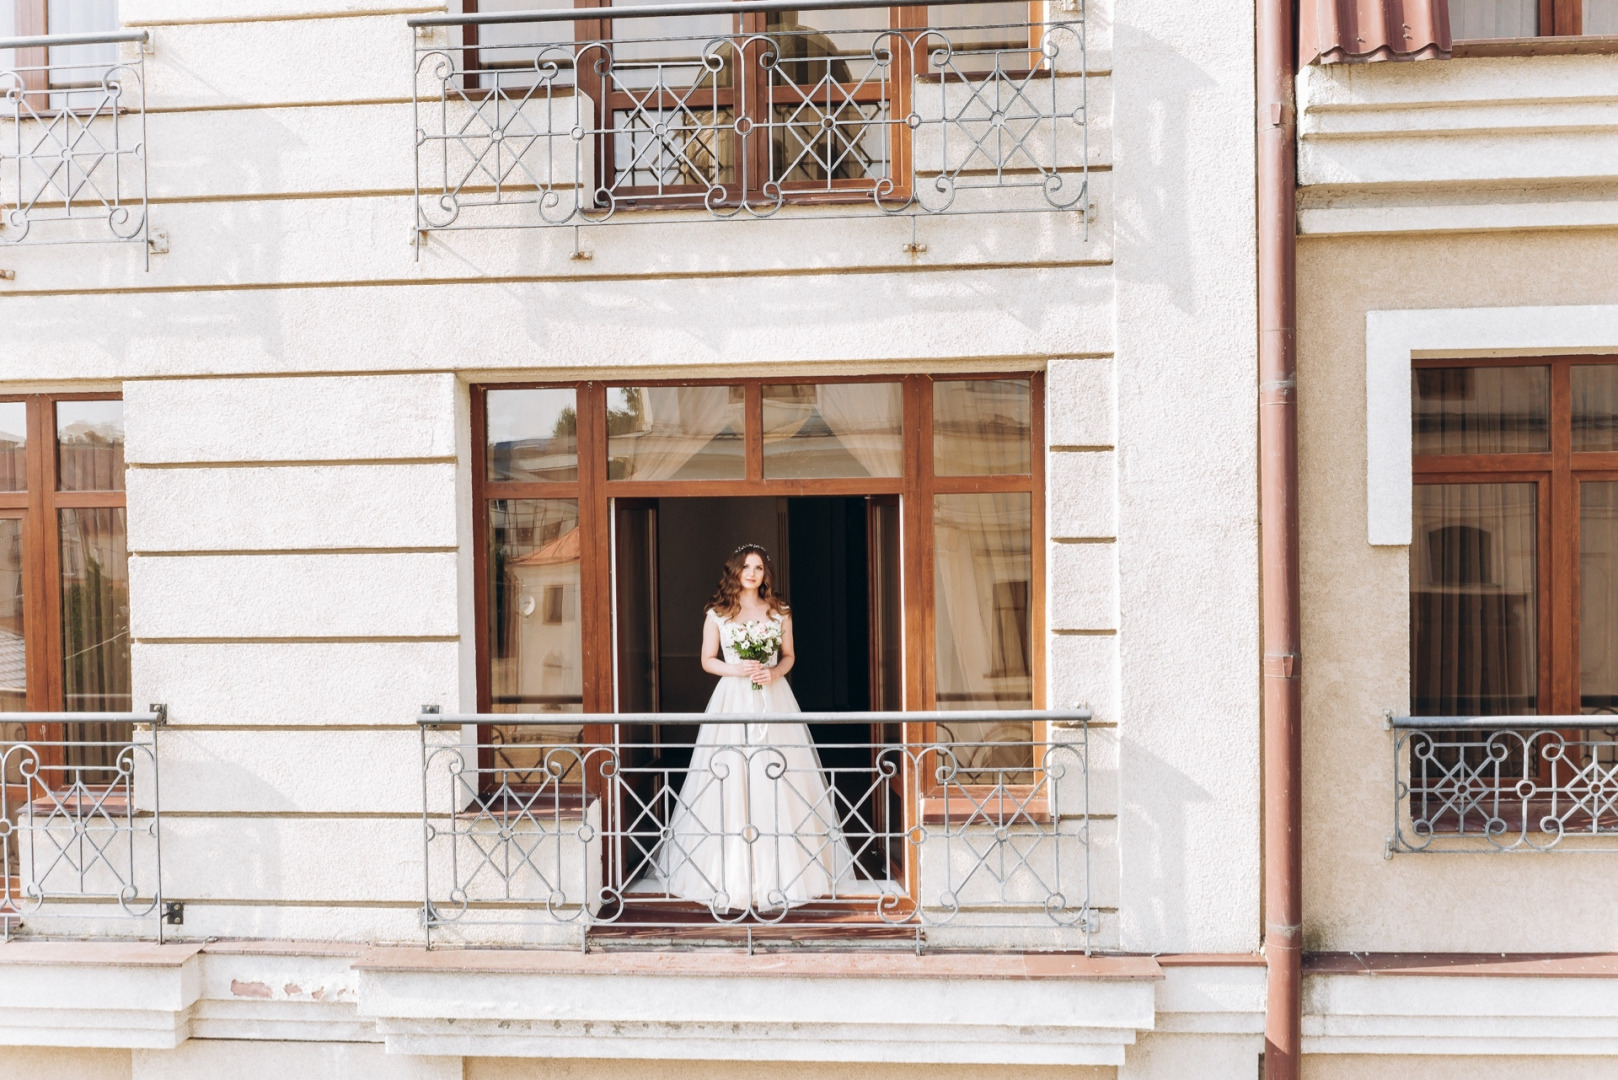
{"x": 1474, "y": 600}
{"x": 1481, "y": 410}
{"x": 13, "y": 646}
{"x": 1598, "y": 598}
{"x": 95, "y": 635}
{"x": 983, "y": 585}
{"x": 1471, "y": 20}
{"x": 981, "y": 427}
{"x": 981, "y": 37}
{"x": 536, "y": 658}
{"x": 833, "y": 429}
{"x": 532, "y": 434}
{"x": 675, "y": 433}
{"x": 1595, "y": 407}
{"x": 90, "y": 445}
{"x": 13, "y": 446}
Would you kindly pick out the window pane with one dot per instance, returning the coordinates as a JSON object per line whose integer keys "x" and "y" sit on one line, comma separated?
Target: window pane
{"x": 1473, "y": 19}
{"x": 1474, "y": 600}
{"x": 1595, "y": 407}
{"x": 532, "y": 434}
{"x": 675, "y": 433}
{"x": 13, "y": 446}
{"x": 1483, "y": 410}
{"x": 981, "y": 38}
{"x": 833, "y": 429}
{"x": 90, "y": 445}
{"x": 1601, "y": 17}
{"x": 536, "y": 655}
{"x": 95, "y": 637}
{"x": 983, "y": 582}
{"x": 1598, "y": 598}
{"x": 981, "y": 427}
{"x": 13, "y": 648}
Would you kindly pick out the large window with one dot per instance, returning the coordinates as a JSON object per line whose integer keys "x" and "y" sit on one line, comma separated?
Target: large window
{"x": 1474, "y": 20}
{"x": 1514, "y": 559}
{"x": 606, "y": 509}
{"x": 63, "y": 69}
{"x": 64, "y": 578}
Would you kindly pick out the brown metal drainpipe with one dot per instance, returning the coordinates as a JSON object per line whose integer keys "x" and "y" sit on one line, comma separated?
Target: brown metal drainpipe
{"x": 1278, "y": 520}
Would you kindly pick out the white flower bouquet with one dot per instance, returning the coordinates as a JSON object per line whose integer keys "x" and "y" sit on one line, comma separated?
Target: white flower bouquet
{"x": 760, "y": 641}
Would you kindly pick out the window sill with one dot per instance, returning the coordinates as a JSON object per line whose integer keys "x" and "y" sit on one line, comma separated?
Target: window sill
{"x": 1592, "y": 45}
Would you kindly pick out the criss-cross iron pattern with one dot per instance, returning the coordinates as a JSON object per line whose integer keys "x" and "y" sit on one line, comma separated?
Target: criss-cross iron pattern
{"x": 540, "y": 131}
{"x": 73, "y": 154}
{"x": 75, "y": 841}
{"x": 1493, "y": 787}
{"x": 651, "y": 832}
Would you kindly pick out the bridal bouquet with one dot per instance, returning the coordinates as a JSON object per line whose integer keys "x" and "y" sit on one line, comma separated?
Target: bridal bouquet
{"x": 759, "y": 641}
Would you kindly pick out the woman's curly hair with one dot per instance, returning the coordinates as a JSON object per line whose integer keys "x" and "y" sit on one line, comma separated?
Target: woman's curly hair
{"x": 726, "y": 601}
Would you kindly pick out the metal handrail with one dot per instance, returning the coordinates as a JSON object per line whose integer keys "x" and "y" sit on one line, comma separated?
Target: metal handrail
{"x": 45, "y": 41}
{"x": 1497, "y": 723}
{"x": 431, "y": 719}
{"x": 155, "y": 714}
{"x": 650, "y": 11}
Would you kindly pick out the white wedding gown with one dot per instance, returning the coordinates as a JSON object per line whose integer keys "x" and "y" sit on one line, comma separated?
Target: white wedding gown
{"x": 756, "y": 827}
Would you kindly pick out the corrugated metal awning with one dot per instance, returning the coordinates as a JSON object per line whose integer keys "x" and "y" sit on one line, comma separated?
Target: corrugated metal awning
{"x": 1340, "y": 31}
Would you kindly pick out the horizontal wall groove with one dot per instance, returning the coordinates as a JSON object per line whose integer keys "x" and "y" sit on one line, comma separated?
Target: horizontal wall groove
{"x": 258, "y": 552}
{"x": 354, "y": 639}
{"x": 893, "y": 269}
{"x": 1085, "y": 633}
{"x": 287, "y": 464}
{"x": 1084, "y": 539}
{"x": 1097, "y": 449}
{"x": 304, "y": 17}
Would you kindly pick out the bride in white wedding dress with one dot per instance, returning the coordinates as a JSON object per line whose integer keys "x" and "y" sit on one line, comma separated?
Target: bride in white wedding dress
{"x": 755, "y": 827}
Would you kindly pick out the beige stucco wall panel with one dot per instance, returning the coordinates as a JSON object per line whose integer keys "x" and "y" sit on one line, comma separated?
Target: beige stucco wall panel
{"x": 304, "y": 771}
{"x": 335, "y": 418}
{"x": 1082, "y": 489}
{"x": 306, "y": 683}
{"x": 306, "y": 860}
{"x": 1080, "y": 403}
{"x": 1355, "y": 615}
{"x": 52, "y": 1063}
{"x": 292, "y": 508}
{"x": 1083, "y": 586}
{"x": 895, "y": 318}
{"x": 1084, "y": 670}
{"x": 1187, "y": 484}
{"x": 1456, "y": 1067}
{"x": 258, "y": 1059}
{"x": 299, "y": 61}
{"x": 293, "y": 596}
{"x": 489, "y": 1068}
{"x": 368, "y": 238}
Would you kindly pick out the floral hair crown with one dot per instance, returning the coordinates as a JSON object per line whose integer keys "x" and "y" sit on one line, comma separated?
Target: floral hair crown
{"x": 752, "y": 547}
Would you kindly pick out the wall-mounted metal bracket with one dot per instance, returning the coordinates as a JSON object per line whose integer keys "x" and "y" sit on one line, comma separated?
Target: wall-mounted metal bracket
{"x": 174, "y": 913}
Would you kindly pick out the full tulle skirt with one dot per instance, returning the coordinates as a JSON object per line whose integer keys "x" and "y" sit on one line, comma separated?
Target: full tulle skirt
{"x": 756, "y": 826}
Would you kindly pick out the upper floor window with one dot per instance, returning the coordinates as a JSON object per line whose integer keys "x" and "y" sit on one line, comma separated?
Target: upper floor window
{"x": 64, "y": 577}
{"x": 1472, "y": 20}
{"x": 1514, "y": 559}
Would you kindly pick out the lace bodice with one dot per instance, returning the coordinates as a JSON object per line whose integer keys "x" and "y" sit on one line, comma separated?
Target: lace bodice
{"x": 725, "y": 650}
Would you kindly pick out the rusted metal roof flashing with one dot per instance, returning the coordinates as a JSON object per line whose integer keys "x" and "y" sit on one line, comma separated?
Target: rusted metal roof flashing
{"x": 1366, "y": 31}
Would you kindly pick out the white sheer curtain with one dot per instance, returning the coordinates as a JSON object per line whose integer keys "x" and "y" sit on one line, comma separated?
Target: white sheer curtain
{"x": 867, "y": 420}
{"x": 1473, "y": 19}
{"x": 666, "y": 427}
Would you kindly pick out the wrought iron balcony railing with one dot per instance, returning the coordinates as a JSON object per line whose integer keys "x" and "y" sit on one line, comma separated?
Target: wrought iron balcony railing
{"x": 1505, "y": 784}
{"x": 945, "y": 829}
{"x": 80, "y": 837}
{"x": 734, "y": 110}
{"x": 73, "y": 140}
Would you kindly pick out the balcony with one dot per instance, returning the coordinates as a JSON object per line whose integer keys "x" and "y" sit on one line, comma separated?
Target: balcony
{"x": 740, "y": 111}
{"x": 73, "y": 140}
{"x": 951, "y": 829}
{"x": 79, "y": 836}
{"x": 1505, "y": 784}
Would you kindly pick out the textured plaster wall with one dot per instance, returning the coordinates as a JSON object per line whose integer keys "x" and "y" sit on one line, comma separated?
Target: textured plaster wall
{"x": 52, "y": 1063}
{"x": 1396, "y": 1067}
{"x": 579, "y": 1069}
{"x": 1356, "y": 616}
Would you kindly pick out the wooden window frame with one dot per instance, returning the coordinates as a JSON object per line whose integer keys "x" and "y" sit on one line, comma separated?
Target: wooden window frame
{"x": 1555, "y": 18}
{"x": 1558, "y": 473}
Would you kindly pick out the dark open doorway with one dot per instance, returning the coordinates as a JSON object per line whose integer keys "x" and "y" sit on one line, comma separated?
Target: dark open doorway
{"x": 837, "y": 562}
